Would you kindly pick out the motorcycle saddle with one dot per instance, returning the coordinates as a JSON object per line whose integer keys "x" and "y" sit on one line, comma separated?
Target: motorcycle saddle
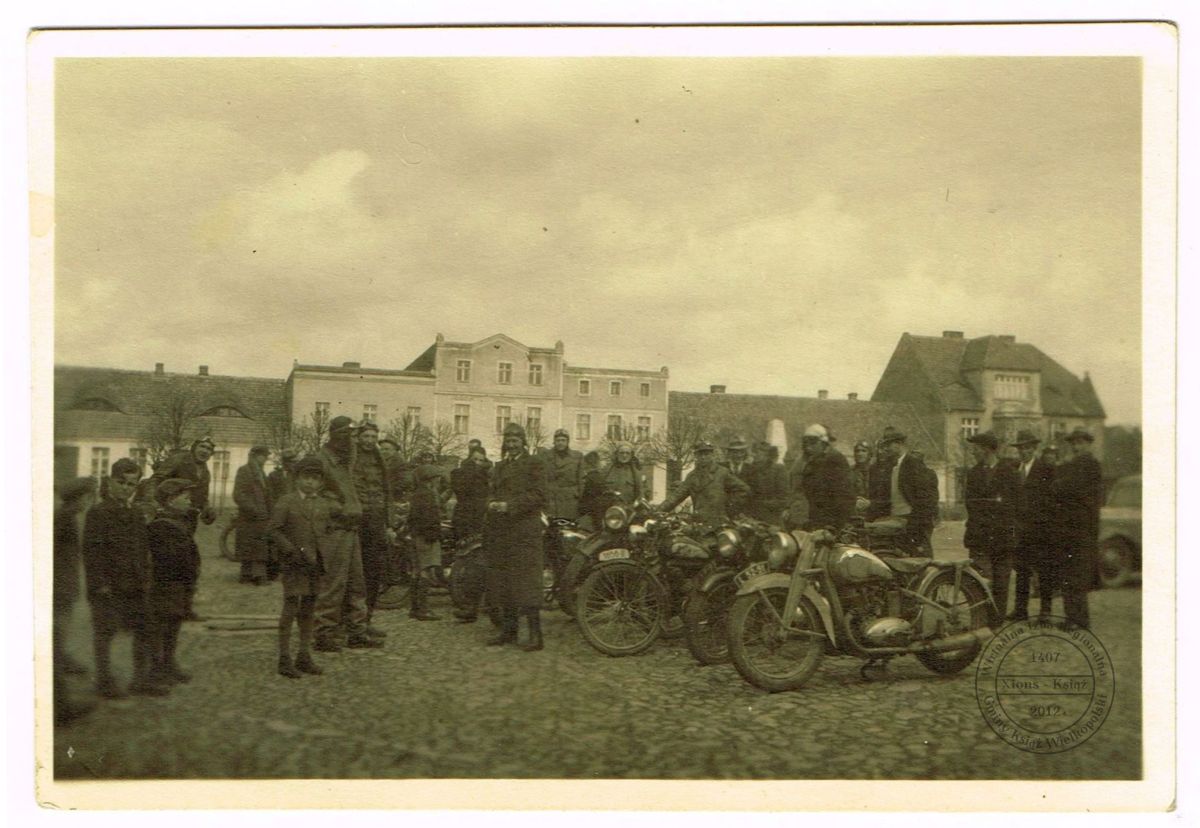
{"x": 906, "y": 566}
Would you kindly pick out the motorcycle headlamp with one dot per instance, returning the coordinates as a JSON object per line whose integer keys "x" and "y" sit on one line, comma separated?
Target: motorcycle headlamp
{"x": 615, "y": 518}
{"x": 727, "y": 542}
{"x": 781, "y": 548}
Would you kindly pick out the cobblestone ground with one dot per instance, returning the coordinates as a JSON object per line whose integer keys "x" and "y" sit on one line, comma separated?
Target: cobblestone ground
{"x": 435, "y": 702}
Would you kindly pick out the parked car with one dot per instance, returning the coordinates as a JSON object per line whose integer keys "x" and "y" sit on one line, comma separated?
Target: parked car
{"x": 1120, "y": 558}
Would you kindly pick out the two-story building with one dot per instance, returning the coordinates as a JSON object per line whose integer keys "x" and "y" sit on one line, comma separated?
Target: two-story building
{"x": 960, "y": 387}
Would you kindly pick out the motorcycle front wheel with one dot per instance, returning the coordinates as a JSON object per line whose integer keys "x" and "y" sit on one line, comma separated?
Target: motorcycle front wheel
{"x": 706, "y": 623}
{"x": 621, "y": 608}
{"x": 763, "y": 652}
{"x": 964, "y": 609}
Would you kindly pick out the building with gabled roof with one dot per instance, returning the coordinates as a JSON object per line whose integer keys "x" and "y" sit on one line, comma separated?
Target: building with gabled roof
{"x": 103, "y": 414}
{"x": 960, "y": 387}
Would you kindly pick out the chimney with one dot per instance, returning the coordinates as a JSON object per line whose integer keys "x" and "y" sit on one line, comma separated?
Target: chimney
{"x": 1008, "y": 339}
{"x": 952, "y": 334}
{"x": 853, "y": 395}
{"x": 823, "y": 394}
{"x": 204, "y": 370}
{"x": 158, "y": 368}
{"x": 351, "y": 364}
{"x": 716, "y": 389}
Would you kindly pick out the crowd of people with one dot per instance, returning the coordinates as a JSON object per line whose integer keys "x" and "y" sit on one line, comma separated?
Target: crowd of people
{"x": 326, "y": 527}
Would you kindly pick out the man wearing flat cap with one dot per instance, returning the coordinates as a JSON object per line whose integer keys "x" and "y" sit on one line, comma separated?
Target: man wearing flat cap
{"x": 188, "y": 464}
{"x": 513, "y": 539}
{"x": 341, "y": 605}
{"x": 711, "y": 487}
{"x": 564, "y": 477}
{"x": 990, "y": 495}
{"x": 1078, "y": 492}
{"x": 254, "y": 510}
{"x": 1034, "y": 523}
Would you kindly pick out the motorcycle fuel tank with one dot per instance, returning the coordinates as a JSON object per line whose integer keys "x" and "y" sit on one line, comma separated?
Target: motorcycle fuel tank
{"x": 852, "y": 564}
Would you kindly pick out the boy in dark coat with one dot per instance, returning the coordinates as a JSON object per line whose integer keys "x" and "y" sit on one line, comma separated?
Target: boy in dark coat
{"x": 425, "y": 526}
{"x": 116, "y": 561}
{"x": 176, "y": 561}
{"x": 77, "y": 497}
{"x": 299, "y": 525}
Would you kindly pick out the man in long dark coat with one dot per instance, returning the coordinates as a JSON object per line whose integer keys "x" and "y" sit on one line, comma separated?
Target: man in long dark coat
{"x": 768, "y": 482}
{"x": 254, "y": 511}
{"x": 513, "y": 539}
{"x": 1077, "y": 489}
{"x": 990, "y": 495}
{"x": 564, "y": 477}
{"x": 1035, "y": 508}
{"x": 282, "y": 480}
{"x": 825, "y": 481}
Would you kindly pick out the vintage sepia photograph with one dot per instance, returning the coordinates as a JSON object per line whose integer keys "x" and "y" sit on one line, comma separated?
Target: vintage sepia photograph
{"x": 636, "y": 404}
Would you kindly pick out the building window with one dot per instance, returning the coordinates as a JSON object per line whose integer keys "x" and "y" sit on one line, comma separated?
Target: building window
{"x": 535, "y": 374}
{"x": 462, "y": 418}
{"x": 223, "y": 411}
{"x": 583, "y": 426}
{"x": 969, "y": 426}
{"x": 99, "y": 462}
{"x": 139, "y": 456}
{"x": 585, "y": 388}
{"x": 1057, "y": 430}
{"x": 321, "y": 411}
{"x": 533, "y": 419}
{"x": 643, "y": 428}
{"x": 504, "y": 373}
{"x": 503, "y": 417}
{"x": 1011, "y": 387}
{"x": 220, "y": 472}
{"x": 645, "y": 390}
{"x": 614, "y": 388}
{"x": 369, "y": 413}
{"x": 463, "y": 372}
{"x": 614, "y": 427}
{"x": 413, "y": 413}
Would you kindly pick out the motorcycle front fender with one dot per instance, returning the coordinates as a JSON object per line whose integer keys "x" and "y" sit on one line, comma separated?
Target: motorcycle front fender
{"x": 715, "y": 579}
{"x": 784, "y": 581}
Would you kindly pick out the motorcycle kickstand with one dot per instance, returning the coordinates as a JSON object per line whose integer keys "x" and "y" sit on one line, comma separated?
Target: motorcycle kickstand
{"x": 873, "y": 668}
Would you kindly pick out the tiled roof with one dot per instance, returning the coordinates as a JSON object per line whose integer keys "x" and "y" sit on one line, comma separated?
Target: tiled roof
{"x": 427, "y": 361}
{"x": 135, "y": 398}
{"x": 849, "y": 420}
{"x": 360, "y": 371}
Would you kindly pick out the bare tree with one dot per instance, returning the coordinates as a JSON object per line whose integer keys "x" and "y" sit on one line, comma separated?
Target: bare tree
{"x": 175, "y": 421}
{"x": 674, "y": 446}
{"x": 443, "y": 439}
{"x": 535, "y": 435}
{"x": 411, "y": 437}
{"x": 309, "y": 435}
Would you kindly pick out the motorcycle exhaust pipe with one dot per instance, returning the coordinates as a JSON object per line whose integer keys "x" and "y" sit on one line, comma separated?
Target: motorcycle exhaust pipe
{"x": 962, "y": 640}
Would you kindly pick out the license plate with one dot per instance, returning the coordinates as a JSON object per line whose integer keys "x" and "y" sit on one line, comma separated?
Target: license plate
{"x": 752, "y": 571}
{"x": 614, "y": 555}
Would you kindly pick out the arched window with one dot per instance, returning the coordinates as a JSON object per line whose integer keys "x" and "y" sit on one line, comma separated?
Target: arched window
{"x": 95, "y": 404}
{"x": 223, "y": 411}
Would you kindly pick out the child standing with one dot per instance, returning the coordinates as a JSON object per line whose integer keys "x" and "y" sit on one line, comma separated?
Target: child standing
{"x": 425, "y": 525}
{"x": 176, "y": 568}
{"x": 299, "y": 523}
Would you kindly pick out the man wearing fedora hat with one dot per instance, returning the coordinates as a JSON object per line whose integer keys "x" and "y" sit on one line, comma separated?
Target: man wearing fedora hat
{"x": 1034, "y": 507}
{"x": 1078, "y": 490}
{"x": 564, "y": 477}
{"x": 990, "y": 495}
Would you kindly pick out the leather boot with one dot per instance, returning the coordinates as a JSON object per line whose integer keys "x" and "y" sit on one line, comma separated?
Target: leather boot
{"x": 508, "y": 629}
{"x": 420, "y": 596}
{"x": 305, "y": 664}
{"x": 534, "y": 621}
{"x": 286, "y": 668}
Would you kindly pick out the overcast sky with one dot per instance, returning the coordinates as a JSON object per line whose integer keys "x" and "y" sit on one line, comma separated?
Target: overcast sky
{"x": 774, "y": 225}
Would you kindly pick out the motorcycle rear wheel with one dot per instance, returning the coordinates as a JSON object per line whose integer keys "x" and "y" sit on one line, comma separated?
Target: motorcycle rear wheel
{"x": 706, "y": 623}
{"x": 621, "y": 609}
{"x": 967, "y": 610}
{"x": 763, "y": 653}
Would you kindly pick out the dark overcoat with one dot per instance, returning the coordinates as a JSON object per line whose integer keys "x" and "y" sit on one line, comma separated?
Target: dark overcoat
{"x": 176, "y": 564}
{"x": 300, "y": 528}
{"x": 513, "y": 539}
{"x": 768, "y": 482}
{"x": 1035, "y": 505}
{"x": 1078, "y": 491}
{"x": 825, "y": 481}
{"x": 116, "y": 549}
{"x": 280, "y": 482}
{"x": 564, "y": 482}
{"x": 66, "y": 558}
{"x": 254, "y": 511}
{"x": 470, "y": 485}
{"x": 990, "y": 495}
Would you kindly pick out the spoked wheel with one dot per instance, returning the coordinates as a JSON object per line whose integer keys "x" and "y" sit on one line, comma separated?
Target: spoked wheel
{"x": 706, "y": 623}
{"x": 963, "y": 609}
{"x": 767, "y": 655}
{"x": 228, "y": 546}
{"x": 621, "y": 608}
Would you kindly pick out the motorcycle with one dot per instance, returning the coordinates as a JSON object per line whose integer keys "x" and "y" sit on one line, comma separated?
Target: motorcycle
{"x": 706, "y": 608}
{"x": 845, "y": 600}
{"x": 633, "y": 594}
{"x": 559, "y": 545}
{"x": 583, "y": 556}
